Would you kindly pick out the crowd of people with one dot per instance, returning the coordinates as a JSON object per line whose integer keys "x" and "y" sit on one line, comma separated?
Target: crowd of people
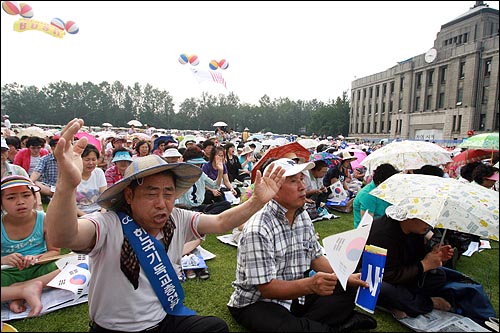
{"x": 166, "y": 194}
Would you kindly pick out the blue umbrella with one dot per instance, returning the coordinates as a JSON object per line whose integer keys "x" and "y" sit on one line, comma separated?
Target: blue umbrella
{"x": 330, "y": 159}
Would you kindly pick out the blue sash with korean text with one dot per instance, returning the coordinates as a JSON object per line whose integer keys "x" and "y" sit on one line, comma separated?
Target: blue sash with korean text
{"x": 157, "y": 266}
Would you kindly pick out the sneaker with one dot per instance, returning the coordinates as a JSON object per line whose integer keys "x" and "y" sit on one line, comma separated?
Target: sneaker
{"x": 204, "y": 274}
{"x": 190, "y": 274}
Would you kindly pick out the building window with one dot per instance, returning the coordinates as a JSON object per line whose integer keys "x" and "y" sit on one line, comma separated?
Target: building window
{"x": 383, "y": 107}
{"x": 460, "y": 95}
{"x": 390, "y": 107}
{"x": 377, "y": 91}
{"x": 441, "y": 100}
{"x": 401, "y": 83}
{"x": 465, "y": 37}
{"x": 459, "y": 124}
{"x": 482, "y": 121}
{"x": 428, "y": 102}
{"x": 384, "y": 88}
{"x": 486, "y": 92}
{"x": 388, "y": 126}
{"x": 381, "y": 126}
{"x": 369, "y": 109}
{"x": 368, "y": 128}
{"x": 442, "y": 78}
{"x": 454, "y": 123}
{"x": 392, "y": 88}
{"x": 430, "y": 75}
{"x": 487, "y": 67}
{"x": 358, "y": 95}
{"x": 461, "y": 74}
{"x": 363, "y": 110}
{"x": 417, "y": 103}
{"x": 371, "y": 92}
{"x": 375, "y": 127}
{"x": 419, "y": 80}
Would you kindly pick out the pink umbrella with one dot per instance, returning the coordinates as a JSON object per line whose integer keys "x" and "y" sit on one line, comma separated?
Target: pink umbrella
{"x": 90, "y": 139}
{"x": 361, "y": 155}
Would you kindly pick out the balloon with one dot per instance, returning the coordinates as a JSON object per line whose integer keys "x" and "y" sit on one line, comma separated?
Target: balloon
{"x": 223, "y": 64}
{"x": 193, "y": 60}
{"x": 213, "y": 65}
{"x": 183, "y": 59}
{"x": 25, "y": 10}
{"x": 57, "y": 22}
{"x": 71, "y": 27}
{"x": 23, "y": 25}
{"x": 10, "y": 7}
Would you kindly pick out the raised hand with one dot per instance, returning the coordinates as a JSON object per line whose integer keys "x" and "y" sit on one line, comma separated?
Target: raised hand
{"x": 68, "y": 155}
{"x": 266, "y": 186}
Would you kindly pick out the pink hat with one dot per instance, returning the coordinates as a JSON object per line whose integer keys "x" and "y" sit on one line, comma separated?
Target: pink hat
{"x": 493, "y": 176}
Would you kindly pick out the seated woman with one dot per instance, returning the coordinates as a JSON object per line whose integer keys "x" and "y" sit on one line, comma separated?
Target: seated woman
{"x": 93, "y": 182}
{"x": 24, "y": 237}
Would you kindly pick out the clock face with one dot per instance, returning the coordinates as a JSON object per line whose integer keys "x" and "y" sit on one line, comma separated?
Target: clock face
{"x": 430, "y": 56}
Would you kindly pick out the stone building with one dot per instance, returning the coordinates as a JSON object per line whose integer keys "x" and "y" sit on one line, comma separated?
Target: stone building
{"x": 437, "y": 96}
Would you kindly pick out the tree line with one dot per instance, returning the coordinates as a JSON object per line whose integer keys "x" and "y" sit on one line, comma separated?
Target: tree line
{"x": 59, "y": 102}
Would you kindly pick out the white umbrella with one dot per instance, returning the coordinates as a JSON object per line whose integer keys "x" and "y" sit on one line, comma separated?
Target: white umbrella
{"x": 107, "y": 125}
{"x": 219, "y": 124}
{"x": 32, "y": 131}
{"x": 135, "y": 123}
{"x": 442, "y": 203}
{"x": 308, "y": 143}
{"x": 407, "y": 155}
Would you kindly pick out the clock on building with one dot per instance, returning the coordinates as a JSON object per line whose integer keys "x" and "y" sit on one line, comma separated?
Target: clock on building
{"x": 430, "y": 55}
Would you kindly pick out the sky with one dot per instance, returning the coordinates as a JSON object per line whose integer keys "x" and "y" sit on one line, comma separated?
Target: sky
{"x": 301, "y": 50}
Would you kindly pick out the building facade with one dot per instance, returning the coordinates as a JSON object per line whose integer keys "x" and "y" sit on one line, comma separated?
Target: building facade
{"x": 437, "y": 96}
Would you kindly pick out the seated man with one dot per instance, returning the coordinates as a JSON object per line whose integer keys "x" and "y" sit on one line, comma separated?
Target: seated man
{"x": 364, "y": 201}
{"x": 413, "y": 275}
{"x": 274, "y": 291}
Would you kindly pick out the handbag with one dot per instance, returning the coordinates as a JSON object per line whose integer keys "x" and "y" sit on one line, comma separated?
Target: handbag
{"x": 467, "y": 297}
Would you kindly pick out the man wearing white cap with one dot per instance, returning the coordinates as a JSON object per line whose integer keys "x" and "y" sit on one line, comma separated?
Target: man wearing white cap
{"x": 274, "y": 290}
{"x": 135, "y": 247}
{"x": 6, "y": 121}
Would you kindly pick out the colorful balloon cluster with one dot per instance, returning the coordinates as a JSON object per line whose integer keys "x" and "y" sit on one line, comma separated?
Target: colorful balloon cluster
{"x": 25, "y": 10}
{"x": 13, "y": 8}
{"x": 70, "y": 26}
{"x": 214, "y": 64}
{"x": 194, "y": 60}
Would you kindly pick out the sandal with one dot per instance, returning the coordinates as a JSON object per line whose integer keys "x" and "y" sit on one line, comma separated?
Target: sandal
{"x": 204, "y": 274}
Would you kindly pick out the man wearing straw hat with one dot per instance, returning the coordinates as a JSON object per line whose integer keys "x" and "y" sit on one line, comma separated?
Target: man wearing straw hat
{"x": 135, "y": 285}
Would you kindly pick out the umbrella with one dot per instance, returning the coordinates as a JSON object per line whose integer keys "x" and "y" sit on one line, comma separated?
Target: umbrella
{"x": 219, "y": 124}
{"x": 361, "y": 155}
{"x": 135, "y": 123}
{"x": 32, "y": 131}
{"x": 308, "y": 143}
{"x": 330, "y": 159}
{"x": 443, "y": 203}
{"x": 407, "y": 155}
{"x": 471, "y": 155}
{"x": 90, "y": 139}
{"x": 107, "y": 125}
{"x": 279, "y": 152}
{"x": 485, "y": 140}
{"x": 141, "y": 136}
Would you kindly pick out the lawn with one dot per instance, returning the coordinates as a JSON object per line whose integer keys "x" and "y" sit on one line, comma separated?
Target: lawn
{"x": 210, "y": 297}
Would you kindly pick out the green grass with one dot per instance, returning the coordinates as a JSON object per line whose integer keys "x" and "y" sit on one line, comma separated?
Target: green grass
{"x": 211, "y": 296}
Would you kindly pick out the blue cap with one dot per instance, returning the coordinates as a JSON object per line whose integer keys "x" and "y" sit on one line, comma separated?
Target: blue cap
{"x": 122, "y": 156}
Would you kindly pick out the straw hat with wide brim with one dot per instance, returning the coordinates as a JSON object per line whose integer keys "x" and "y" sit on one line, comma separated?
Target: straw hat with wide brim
{"x": 345, "y": 155}
{"x": 185, "y": 176}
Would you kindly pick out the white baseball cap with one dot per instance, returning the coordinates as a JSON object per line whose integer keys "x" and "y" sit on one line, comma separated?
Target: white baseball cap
{"x": 291, "y": 167}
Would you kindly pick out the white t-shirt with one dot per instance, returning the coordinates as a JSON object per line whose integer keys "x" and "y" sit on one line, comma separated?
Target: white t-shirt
{"x": 6, "y": 122}
{"x": 33, "y": 163}
{"x": 113, "y": 302}
{"x": 87, "y": 191}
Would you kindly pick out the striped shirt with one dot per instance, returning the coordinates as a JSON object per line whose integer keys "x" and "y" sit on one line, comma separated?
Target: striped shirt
{"x": 270, "y": 248}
